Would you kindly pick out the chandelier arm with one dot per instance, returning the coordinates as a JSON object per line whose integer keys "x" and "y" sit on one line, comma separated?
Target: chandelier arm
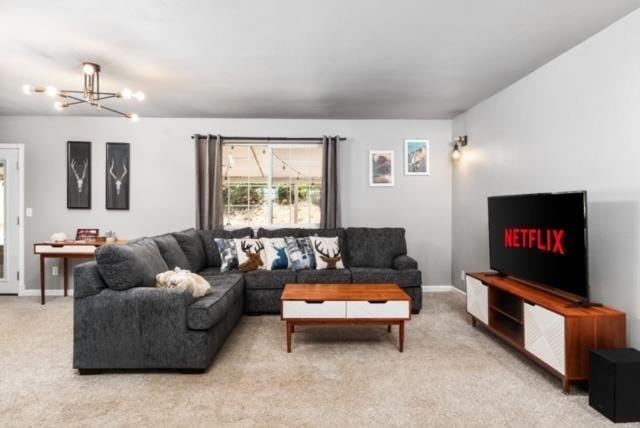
{"x": 80, "y": 100}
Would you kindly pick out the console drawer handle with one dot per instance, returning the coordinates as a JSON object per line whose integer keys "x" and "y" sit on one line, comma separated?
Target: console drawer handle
{"x": 377, "y": 302}
{"x": 314, "y": 302}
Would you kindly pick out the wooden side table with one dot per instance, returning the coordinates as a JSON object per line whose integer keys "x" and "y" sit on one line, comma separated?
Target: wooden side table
{"x": 65, "y": 251}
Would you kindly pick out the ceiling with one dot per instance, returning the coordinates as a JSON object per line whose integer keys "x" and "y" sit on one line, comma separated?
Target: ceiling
{"x": 360, "y": 59}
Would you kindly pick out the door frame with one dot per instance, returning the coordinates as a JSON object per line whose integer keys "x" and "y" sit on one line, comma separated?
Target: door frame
{"x": 20, "y": 148}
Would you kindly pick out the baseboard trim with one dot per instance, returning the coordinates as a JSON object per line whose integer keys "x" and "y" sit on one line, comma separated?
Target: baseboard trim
{"x": 441, "y": 289}
{"x": 47, "y": 293}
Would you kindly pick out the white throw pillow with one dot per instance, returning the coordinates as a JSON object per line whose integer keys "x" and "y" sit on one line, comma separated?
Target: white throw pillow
{"x": 276, "y": 253}
{"x": 250, "y": 254}
{"x": 327, "y": 252}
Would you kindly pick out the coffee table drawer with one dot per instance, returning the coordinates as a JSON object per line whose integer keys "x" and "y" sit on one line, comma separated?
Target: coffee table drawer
{"x": 374, "y": 309}
{"x": 313, "y": 309}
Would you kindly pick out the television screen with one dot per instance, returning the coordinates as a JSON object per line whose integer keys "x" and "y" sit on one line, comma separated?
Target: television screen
{"x": 541, "y": 238}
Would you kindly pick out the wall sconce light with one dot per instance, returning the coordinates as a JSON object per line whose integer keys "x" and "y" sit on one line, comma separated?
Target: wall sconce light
{"x": 458, "y": 144}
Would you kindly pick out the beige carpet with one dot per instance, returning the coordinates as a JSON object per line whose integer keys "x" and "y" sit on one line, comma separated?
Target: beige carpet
{"x": 449, "y": 375}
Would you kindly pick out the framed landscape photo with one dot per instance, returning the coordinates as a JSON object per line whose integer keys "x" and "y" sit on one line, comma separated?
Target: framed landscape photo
{"x": 78, "y": 174}
{"x": 117, "y": 176}
{"x": 417, "y": 154}
{"x": 381, "y": 171}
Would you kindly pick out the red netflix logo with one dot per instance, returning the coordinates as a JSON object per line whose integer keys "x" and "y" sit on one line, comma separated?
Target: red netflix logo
{"x": 547, "y": 240}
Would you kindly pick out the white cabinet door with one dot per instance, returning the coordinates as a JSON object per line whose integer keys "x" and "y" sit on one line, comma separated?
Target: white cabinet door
{"x": 478, "y": 299}
{"x": 544, "y": 335}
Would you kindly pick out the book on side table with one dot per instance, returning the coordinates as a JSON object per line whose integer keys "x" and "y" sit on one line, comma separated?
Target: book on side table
{"x": 345, "y": 304}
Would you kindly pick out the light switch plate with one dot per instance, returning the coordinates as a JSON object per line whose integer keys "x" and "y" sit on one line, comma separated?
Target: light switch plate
{"x": 29, "y": 212}
{"x": 54, "y": 270}
{"x": 463, "y": 275}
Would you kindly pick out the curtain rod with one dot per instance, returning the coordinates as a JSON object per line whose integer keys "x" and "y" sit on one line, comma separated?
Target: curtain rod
{"x": 274, "y": 139}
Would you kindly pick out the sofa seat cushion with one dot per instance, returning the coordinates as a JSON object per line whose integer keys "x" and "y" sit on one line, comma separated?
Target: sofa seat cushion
{"x": 404, "y": 278}
{"x": 131, "y": 265}
{"x": 171, "y": 251}
{"x": 207, "y": 311}
{"x": 269, "y": 279}
{"x": 325, "y": 276}
{"x": 375, "y": 247}
{"x": 214, "y": 271}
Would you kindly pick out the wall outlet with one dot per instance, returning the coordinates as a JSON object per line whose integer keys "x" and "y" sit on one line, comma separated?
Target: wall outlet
{"x": 54, "y": 270}
{"x": 29, "y": 212}
{"x": 463, "y": 275}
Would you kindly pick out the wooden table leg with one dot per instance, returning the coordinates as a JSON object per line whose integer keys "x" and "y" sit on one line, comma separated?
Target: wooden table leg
{"x": 66, "y": 277}
{"x": 41, "y": 279}
{"x": 401, "y": 336}
{"x": 389, "y": 328}
{"x": 289, "y": 331}
{"x": 566, "y": 386}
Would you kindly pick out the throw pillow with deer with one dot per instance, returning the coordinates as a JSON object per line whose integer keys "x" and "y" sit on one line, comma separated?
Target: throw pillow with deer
{"x": 327, "y": 252}
{"x": 275, "y": 250}
{"x": 250, "y": 254}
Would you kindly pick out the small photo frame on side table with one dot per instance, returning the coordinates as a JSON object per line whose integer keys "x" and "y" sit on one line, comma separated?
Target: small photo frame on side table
{"x": 87, "y": 235}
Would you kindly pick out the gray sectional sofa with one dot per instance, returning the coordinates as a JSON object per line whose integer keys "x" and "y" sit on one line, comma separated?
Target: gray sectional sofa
{"x": 121, "y": 321}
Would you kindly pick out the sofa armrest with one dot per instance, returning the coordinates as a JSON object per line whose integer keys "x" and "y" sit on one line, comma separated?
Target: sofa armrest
{"x": 124, "y": 329}
{"x": 404, "y": 262}
{"x": 87, "y": 281}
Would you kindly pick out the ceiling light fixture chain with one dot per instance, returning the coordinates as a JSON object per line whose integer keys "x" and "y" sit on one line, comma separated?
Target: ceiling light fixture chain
{"x": 90, "y": 93}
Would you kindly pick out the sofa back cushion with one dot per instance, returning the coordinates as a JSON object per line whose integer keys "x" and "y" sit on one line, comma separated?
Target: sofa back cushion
{"x": 131, "y": 265}
{"x": 375, "y": 247}
{"x": 171, "y": 251}
{"x": 279, "y": 233}
{"x": 209, "y": 241}
{"x": 193, "y": 248}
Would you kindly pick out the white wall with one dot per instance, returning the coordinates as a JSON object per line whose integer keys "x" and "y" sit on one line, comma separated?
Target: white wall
{"x": 163, "y": 178}
{"x": 573, "y": 124}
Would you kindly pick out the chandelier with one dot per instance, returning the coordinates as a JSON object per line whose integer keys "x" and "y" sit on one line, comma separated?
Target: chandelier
{"x": 90, "y": 94}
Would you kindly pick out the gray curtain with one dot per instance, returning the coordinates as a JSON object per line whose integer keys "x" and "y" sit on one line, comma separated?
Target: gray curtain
{"x": 209, "y": 181}
{"x": 329, "y": 209}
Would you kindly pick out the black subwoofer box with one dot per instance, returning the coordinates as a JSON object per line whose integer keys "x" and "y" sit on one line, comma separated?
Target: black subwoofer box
{"x": 614, "y": 383}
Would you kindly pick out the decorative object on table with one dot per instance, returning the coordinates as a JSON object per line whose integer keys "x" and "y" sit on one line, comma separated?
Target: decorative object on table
{"x": 182, "y": 279}
{"x": 90, "y": 93}
{"x": 87, "y": 235}
{"x": 275, "y": 250}
{"x": 118, "y": 173}
{"x": 228, "y": 254}
{"x": 58, "y": 237}
{"x": 79, "y": 174}
{"x": 614, "y": 387}
{"x": 416, "y": 157}
{"x": 327, "y": 252}
{"x": 110, "y": 237}
{"x": 250, "y": 254}
{"x": 381, "y": 168}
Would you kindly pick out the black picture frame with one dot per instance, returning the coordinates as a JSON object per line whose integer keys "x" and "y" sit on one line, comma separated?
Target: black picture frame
{"x": 79, "y": 174}
{"x": 117, "y": 176}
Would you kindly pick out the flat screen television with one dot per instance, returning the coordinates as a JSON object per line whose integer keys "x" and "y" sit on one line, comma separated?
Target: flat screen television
{"x": 542, "y": 239}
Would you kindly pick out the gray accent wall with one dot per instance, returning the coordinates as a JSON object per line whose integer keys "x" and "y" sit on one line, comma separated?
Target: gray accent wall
{"x": 163, "y": 178}
{"x": 574, "y": 124}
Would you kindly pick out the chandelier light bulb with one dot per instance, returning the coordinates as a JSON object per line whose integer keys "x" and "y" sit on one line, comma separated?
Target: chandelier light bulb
{"x": 133, "y": 117}
{"x": 139, "y": 95}
{"x": 126, "y": 93}
{"x": 88, "y": 69}
{"x": 51, "y": 91}
{"x": 58, "y": 105}
{"x": 27, "y": 89}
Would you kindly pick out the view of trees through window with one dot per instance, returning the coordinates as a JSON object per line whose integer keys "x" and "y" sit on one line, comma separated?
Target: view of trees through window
{"x": 271, "y": 184}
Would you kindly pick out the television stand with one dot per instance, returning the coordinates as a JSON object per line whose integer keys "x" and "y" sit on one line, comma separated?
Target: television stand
{"x": 584, "y": 304}
{"x": 543, "y": 326}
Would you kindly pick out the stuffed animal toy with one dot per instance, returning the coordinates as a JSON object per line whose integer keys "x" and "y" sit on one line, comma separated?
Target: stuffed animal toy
{"x": 185, "y": 280}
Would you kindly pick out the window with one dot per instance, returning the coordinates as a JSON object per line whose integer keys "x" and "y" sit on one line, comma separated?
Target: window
{"x": 271, "y": 184}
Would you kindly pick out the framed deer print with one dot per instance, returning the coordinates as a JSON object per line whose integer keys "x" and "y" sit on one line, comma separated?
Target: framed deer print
{"x": 78, "y": 174}
{"x": 118, "y": 176}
